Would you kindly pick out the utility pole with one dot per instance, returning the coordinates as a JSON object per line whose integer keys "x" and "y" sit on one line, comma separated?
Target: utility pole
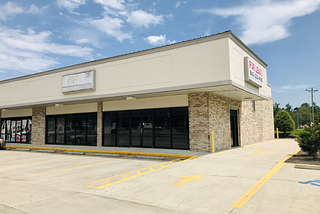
{"x": 312, "y": 91}
{"x": 298, "y": 126}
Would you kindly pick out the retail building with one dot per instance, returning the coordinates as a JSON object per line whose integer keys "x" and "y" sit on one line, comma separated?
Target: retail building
{"x": 167, "y": 97}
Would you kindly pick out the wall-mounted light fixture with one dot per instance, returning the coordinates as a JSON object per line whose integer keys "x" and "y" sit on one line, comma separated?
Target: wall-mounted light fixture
{"x": 130, "y": 98}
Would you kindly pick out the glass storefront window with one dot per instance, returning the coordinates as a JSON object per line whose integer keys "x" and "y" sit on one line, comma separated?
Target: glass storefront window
{"x": 16, "y": 130}
{"x": 163, "y": 128}
{"x": 109, "y": 129}
{"x": 72, "y": 129}
{"x": 153, "y": 128}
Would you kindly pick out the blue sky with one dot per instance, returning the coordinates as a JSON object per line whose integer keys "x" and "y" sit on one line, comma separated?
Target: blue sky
{"x": 37, "y": 35}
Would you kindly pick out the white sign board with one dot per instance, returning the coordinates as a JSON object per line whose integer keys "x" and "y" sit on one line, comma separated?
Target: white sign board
{"x": 78, "y": 82}
{"x": 253, "y": 72}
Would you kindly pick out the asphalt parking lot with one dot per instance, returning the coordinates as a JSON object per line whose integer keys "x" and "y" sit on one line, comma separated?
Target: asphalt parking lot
{"x": 252, "y": 179}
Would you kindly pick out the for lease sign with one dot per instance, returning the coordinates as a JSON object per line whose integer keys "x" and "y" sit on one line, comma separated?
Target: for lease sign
{"x": 253, "y": 72}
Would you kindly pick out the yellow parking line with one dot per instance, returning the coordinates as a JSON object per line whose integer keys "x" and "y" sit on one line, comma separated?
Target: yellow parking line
{"x": 35, "y": 163}
{"x": 103, "y": 183}
{"x": 61, "y": 170}
{"x": 246, "y": 197}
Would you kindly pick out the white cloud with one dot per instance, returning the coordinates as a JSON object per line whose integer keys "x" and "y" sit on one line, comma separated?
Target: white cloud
{"x": 156, "y": 40}
{"x": 141, "y": 18}
{"x": 11, "y": 9}
{"x": 70, "y": 5}
{"x": 111, "y": 26}
{"x": 294, "y": 87}
{"x": 266, "y": 20}
{"x": 114, "y": 4}
{"x": 30, "y": 51}
{"x": 83, "y": 41}
{"x": 179, "y": 3}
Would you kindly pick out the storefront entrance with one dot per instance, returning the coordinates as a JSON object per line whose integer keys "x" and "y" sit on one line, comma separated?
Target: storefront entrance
{"x": 234, "y": 127}
{"x": 151, "y": 128}
{"x": 142, "y": 128}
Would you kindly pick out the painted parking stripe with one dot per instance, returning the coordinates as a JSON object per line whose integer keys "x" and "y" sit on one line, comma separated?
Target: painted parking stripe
{"x": 246, "y": 197}
{"x": 62, "y": 170}
{"x": 103, "y": 183}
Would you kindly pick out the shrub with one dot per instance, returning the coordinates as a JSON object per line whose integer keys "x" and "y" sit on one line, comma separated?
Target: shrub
{"x": 309, "y": 139}
{"x": 284, "y": 122}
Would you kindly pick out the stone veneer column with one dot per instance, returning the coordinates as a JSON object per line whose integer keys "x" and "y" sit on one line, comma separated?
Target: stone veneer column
{"x": 99, "y": 123}
{"x": 199, "y": 135}
{"x": 38, "y": 133}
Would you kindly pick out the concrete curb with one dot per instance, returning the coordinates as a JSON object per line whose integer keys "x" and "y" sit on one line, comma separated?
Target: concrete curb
{"x": 307, "y": 167}
{"x": 103, "y": 152}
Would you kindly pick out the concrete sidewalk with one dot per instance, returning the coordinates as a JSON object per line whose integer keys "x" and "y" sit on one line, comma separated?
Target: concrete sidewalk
{"x": 174, "y": 153}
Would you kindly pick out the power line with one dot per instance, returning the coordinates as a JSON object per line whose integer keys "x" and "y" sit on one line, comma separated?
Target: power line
{"x": 312, "y": 91}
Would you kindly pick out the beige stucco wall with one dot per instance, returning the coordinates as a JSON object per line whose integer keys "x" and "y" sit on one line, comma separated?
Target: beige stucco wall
{"x": 237, "y": 72}
{"x": 17, "y": 113}
{"x": 72, "y": 109}
{"x": 147, "y": 103}
{"x": 148, "y": 71}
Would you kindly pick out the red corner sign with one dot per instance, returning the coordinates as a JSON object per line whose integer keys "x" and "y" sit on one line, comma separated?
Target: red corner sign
{"x": 253, "y": 72}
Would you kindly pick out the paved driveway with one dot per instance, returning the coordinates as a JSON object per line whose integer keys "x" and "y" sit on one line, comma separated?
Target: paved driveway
{"x": 251, "y": 179}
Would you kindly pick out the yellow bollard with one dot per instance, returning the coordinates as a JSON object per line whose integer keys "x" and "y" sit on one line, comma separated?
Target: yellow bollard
{"x": 212, "y": 141}
{"x": 277, "y": 134}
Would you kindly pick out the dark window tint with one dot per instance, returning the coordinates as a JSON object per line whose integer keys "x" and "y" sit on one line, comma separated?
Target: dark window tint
{"x": 73, "y": 129}
{"x": 159, "y": 128}
{"x": 180, "y": 121}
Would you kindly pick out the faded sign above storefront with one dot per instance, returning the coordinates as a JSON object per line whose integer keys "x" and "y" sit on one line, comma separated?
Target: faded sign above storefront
{"x": 78, "y": 82}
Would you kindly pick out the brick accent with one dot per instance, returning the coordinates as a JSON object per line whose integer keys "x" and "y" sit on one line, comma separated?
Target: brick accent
{"x": 99, "y": 123}
{"x": 256, "y": 126}
{"x": 38, "y": 133}
{"x": 220, "y": 120}
{"x": 210, "y": 112}
{"x": 199, "y": 122}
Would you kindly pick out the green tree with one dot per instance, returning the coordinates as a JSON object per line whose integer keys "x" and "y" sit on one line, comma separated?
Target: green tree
{"x": 284, "y": 122}
{"x": 276, "y": 108}
{"x": 305, "y": 114}
{"x": 288, "y": 107}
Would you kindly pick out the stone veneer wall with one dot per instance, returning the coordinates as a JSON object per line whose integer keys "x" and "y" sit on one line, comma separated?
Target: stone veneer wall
{"x": 99, "y": 123}
{"x": 256, "y": 126}
{"x": 38, "y": 133}
{"x": 209, "y": 112}
{"x": 220, "y": 120}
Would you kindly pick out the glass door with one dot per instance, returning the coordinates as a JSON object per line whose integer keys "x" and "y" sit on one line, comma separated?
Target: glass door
{"x": 142, "y": 128}
{"x": 234, "y": 127}
{"x": 147, "y": 125}
{"x": 136, "y": 128}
